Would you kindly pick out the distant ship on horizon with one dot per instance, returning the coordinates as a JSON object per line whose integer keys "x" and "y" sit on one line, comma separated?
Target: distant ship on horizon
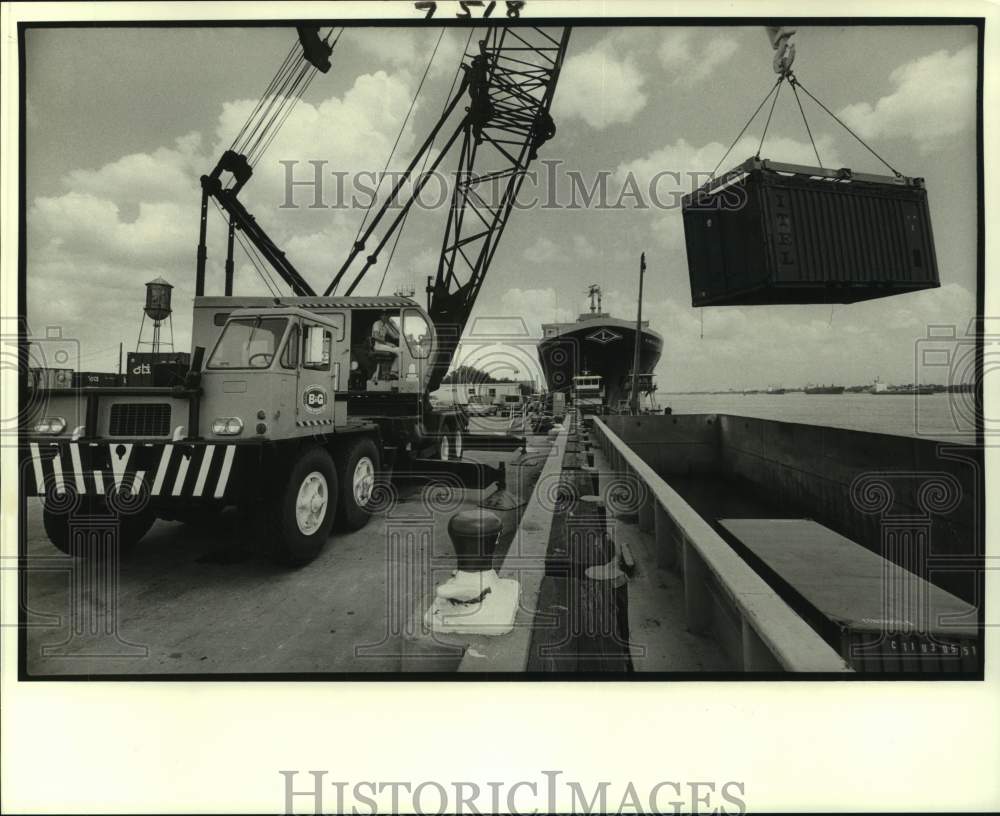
{"x": 824, "y": 389}
{"x": 597, "y": 343}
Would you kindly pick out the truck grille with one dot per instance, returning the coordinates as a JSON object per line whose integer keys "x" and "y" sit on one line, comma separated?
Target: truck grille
{"x": 140, "y": 419}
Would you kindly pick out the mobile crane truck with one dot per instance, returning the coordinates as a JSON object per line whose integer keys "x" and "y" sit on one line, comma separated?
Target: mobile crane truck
{"x": 296, "y": 405}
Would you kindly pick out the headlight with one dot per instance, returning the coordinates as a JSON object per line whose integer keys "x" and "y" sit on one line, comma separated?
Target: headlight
{"x": 51, "y": 425}
{"x": 227, "y": 426}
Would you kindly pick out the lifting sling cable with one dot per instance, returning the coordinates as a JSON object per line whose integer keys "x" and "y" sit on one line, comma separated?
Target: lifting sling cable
{"x": 399, "y": 136}
{"x": 794, "y": 80}
{"x": 402, "y": 225}
{"x": 812, "y": 141}
{"x": 767, "y": 124}
{"x": 739, "y": 135}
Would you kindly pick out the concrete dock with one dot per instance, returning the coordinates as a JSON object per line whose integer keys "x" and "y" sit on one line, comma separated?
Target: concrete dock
{"x": 619, "y": 547}
{"x": 191, "y": 601}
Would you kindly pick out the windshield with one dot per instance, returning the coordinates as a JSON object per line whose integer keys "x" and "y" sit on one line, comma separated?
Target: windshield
{"x": 248, "y": 343}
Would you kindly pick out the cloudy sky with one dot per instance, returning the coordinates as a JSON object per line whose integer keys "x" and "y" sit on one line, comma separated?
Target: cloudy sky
{"x": 122, "y": 122}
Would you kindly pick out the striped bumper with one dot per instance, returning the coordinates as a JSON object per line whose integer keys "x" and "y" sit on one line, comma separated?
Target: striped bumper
{"x": 175, "y": 469}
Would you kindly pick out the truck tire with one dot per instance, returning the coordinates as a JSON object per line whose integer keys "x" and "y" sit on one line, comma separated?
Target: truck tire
{"x": 357, "y": 469}
{"x": 451, "y": 441}
{"x": 131, "y": 528}
{"x": 304, "y": 512}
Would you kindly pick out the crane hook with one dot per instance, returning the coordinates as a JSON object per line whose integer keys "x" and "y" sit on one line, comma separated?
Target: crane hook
{"x": 784, "y": 50}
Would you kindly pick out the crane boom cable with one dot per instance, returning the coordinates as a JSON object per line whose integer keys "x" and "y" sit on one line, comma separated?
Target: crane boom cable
{"x": 288, "y": 101}
{"x": 273, "y": 108}
{"x": 267, "y": 92}
{"x": 399, "y": 136}
{"x": 359, "y": 245}
{"x": 288, "y": 111}
{"x": 255, "y": 261}
{"x": 417, "y": 188}
{"x": 262, "y": 112}
{"x": 423, "y": 168}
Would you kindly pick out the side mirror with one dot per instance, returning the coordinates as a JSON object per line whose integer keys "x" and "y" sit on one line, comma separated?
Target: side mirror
{"x": 193, "y": 378}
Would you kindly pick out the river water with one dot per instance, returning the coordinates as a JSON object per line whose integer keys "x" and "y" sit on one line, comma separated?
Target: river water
{"x": 947, "y": 417}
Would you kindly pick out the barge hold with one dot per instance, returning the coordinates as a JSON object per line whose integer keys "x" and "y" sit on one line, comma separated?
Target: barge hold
{"x": 865, "y": 554}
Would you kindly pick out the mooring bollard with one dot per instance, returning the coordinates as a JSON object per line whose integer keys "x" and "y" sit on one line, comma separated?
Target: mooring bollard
{"x": 474, "y": 600}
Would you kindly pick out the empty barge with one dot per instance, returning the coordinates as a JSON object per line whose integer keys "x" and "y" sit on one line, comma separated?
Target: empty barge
{"x": 765, "y": 546}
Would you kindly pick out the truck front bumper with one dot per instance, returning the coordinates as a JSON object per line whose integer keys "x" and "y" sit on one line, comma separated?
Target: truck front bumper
{"x": 181, "y": 470}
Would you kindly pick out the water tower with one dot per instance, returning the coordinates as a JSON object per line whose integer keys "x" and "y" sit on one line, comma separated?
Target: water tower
{"x": 158, "y": 310}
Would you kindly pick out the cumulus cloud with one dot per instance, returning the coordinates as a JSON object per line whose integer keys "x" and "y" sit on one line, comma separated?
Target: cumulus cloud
{"x": 583, "y": 248}
{"x": 690, "y": 59}
{"x": 410, "y": 48}
{"x": 542, "y": 250}
{"x": 671, "y": 171}
{"x": 600, "y": 87}
{"x": 93, "y": 246}
{"x": 933, "y": 101}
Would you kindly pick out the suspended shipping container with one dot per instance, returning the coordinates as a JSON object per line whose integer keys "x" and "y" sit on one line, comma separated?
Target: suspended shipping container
{"x": 770, "y": 233}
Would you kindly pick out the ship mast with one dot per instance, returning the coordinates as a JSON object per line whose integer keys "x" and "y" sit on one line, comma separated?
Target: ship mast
{"x": 595, "y": 298}
{"x": 634, "y": 396}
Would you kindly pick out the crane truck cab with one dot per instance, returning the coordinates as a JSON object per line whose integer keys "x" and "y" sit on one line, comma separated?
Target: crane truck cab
{"x": 294, "y": 409}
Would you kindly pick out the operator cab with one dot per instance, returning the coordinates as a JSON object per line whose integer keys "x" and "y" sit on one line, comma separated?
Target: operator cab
{"x": 266, "y": 339}
{"x": 368, "y": 345}
{"x": 390, "y": 350}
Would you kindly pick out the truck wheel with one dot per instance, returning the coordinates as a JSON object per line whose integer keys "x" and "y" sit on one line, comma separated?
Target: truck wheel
{"x": 130, "y": 529}
{"x": 357, "y": 469}
{"x": 451, "y": 442}
{"x": 305, "y": 509}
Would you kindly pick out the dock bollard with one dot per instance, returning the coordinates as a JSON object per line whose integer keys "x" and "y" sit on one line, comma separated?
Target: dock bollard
{"x": 474, "y": 600}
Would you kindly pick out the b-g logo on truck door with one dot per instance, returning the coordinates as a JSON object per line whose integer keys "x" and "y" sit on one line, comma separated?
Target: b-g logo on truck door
{"x": 314, "y": 399}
